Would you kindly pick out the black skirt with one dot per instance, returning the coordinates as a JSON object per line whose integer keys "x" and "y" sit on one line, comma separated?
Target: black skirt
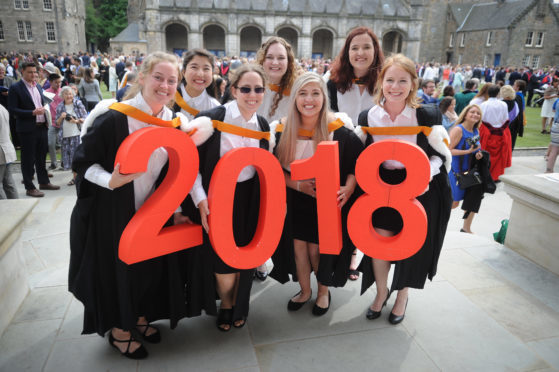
{"x": 304, "y": 223}
{"x": 388, "y": 218}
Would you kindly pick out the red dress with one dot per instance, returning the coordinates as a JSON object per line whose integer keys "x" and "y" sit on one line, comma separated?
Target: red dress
{"x": 497, "y": 141}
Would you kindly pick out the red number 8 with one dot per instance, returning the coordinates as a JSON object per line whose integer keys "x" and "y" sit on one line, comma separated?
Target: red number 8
{"x": 401, "y": 197}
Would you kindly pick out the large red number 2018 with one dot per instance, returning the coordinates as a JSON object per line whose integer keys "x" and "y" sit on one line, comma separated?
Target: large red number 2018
{"x": 143, "y": 237}
{"x": 400, "y": 197}
{"x": 323, "y": 167}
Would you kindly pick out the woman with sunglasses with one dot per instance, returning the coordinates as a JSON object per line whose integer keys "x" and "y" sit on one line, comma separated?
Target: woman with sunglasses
{"x": 308, "y": 122}
{"x": 119, "y": 298}
{"x": 398, "y": 115}
{"x": 233, "y": 285}
{"x": 197, "y": 79}
{"x": 353, "y": 77}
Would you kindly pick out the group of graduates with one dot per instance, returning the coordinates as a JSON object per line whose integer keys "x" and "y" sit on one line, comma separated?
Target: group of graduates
{"x": 367, "y": 99}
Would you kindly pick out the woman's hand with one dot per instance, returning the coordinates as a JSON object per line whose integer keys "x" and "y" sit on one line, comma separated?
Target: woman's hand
{"x": 307, "y": 187}
{"x": 118, "y": 179}
{"x": 62, "y": 116}
{"x": 473, "y": 149}
{"x": 479, "y": 155}
{"x": 344, "y": 194}
{"x": 204, "y": 212}
{"x": 179, "y": 219}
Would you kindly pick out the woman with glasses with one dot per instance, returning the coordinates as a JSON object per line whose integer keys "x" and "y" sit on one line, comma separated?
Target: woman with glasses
{"x": 233, "y": 285}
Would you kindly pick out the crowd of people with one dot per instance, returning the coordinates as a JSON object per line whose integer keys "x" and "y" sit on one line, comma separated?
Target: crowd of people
{"x": 465, "y": 120}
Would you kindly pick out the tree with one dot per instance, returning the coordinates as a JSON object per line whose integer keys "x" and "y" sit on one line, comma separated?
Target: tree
{"x": 104, "y": 19}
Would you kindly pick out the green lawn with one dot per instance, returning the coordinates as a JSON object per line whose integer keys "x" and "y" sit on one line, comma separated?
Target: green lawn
{"x": 532, "y": 136}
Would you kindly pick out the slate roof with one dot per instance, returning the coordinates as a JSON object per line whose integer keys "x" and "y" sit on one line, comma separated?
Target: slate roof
{"x": 460, "y": 11}
{"x": 131, "y": 34}
{"x": 355, "y": 7}
{"x": 492, "y": 16}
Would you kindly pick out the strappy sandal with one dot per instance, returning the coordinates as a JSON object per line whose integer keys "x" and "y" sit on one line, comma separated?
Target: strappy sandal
{"x": 224, "y": 318}
{"x": 154, "y": 338}
{"x": 139, "y": 353}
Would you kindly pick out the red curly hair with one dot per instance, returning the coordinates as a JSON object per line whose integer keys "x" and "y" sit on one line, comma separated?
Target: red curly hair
{"x": 342, "y": 71}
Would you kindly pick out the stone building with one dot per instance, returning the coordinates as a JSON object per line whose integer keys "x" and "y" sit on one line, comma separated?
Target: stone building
{"x": 238, "y": 27}
{"x": 506, "y": 33}
{"x": 53, "y": 26}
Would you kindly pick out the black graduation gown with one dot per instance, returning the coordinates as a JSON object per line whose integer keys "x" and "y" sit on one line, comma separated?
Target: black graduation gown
{"x": 333, "y": 269}
{"x": 200, "y": 282}
{"x": 114, "y": 294}
{"x": 437, "y": 201}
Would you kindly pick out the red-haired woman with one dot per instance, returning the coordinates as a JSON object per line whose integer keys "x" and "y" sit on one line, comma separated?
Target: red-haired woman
{"x": 352, "y": 82}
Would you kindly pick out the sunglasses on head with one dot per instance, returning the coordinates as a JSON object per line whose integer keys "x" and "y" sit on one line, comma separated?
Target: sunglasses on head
{"x": 246, "y": 90}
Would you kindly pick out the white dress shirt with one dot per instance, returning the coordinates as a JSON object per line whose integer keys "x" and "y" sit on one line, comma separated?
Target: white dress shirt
{"x": 303, "y": 150}
{"x": 378, "y": 117}
{"x": 353, "y": 102}
{"x": 267, "y": 102}
{"x": 201, "y": 103}
{"x": 494, "y": 112}
{"x": 145, "y": 184}
{"x": 229, "y": 142}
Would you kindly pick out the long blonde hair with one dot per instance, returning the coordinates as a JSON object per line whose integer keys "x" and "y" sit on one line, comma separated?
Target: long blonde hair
{"x": 462, "y": 117}
{"x": 288, "y": 142}
{"x": 406, "y": 64}
{"x": 147, "y": 66}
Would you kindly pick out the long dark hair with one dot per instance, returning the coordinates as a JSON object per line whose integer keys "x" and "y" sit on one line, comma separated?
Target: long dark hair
{"x": 341, "y": 72}
{"x": 201, "y": 53}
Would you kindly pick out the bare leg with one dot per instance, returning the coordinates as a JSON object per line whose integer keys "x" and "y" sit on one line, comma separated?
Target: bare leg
{"x": 355, "y": 261}
{"x": 554, "y": 150}
{"x": 225, "y": 285}
{"x": 455, "y": 204}
{"x": 381, "y": 269}
{"x": 399, "y": 307}
{"x": 468, "y": 223}
{"x": 120, "y": 334}
{"x": 303, "y": 265}
{"x": 322, "y": 295}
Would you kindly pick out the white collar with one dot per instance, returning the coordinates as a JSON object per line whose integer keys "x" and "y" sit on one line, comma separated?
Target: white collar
{"x": 233, "y": 109}
{"x": 187, "y": 96}
{"x": 140, "y": 103}
{"x": 408, "y": 112}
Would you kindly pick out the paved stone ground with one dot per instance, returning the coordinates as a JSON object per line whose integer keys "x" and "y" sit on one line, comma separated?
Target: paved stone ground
{"x": 488, "y": 309}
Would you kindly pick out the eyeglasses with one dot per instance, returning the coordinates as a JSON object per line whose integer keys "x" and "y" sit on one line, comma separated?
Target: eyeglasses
{"x": 247, "y": 90}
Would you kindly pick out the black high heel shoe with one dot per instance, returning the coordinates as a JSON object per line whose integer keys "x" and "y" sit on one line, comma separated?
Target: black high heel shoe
{"x": 319, "y": 311}
{"x": 395, "y": 319}
{"x": 139, "y": 353}
{"x": 224, "y": 318}
{"x": 371, "y": 314}
{"x": 154, "y": 338}
{"x": 294, "y": 306}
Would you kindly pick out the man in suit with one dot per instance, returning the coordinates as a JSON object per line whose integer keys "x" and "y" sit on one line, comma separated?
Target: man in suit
{"x": 26, "y": 102}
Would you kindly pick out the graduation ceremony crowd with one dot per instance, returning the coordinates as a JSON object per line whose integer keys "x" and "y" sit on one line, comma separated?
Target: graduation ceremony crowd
{"x": 283, "y": 106}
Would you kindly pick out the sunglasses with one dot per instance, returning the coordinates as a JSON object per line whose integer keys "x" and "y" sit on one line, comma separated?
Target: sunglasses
{"x": 247, "y": 90}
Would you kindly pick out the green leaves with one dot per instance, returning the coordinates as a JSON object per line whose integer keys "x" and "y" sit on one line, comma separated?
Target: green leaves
{"x": 104, "y": 19}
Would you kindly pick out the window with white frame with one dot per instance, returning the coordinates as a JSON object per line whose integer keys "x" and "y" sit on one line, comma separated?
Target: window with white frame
{"x": 526, "y": 60}
{"x": 47, "y": 4}
{"x": 25, "y": 4}
{"x": 462, "y": 40}
{"x": 489, "y": 37}
{"x": 17, "y": 4}
{"x": 20, "y": 31}
{"x": 451, "y": 41}
{"x": 51, "y": 33}
{"x": 539, "y": 39}
{"x": 28, "y": 30}
{"x": 529, "y": 38}
{"x": 1, "y": 31}
{"x": 536, "y": 62}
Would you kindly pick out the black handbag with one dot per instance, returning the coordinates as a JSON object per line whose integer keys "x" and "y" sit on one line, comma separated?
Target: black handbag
{"x": 468, "y": 178}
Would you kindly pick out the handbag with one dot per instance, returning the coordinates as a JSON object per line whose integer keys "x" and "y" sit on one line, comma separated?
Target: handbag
{"x": 468, "y": 178}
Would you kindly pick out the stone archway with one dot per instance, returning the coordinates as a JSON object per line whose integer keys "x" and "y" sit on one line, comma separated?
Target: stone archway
{"x": 322, "y": 44}
{"x": 251, "y": 40}
{"x": 176, "y": 38}
{"x": 214, "y": 40}
{"x": 291, "y": 36}
{"x": 392, "y": 42}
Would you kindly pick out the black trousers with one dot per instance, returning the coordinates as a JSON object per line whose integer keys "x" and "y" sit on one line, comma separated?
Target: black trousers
{"x": 34, "y": 148}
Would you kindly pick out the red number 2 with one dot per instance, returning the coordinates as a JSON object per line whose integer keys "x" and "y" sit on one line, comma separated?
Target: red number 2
{"x": 143, "y": 238}
{"x": 400, "y": 197}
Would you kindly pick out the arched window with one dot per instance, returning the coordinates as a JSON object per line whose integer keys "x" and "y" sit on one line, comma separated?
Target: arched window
{"x": 251, "y": 40}
{"x": 214, "y": 40}
{"x": 291, "y": 36}
{"x": 176, "y": 39}
{"x": 392, "y": 42}
{"x": 322, "y": 44}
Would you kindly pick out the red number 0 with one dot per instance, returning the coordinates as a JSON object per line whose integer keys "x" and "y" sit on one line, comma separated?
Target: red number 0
{"x": 400, "y": 197}
{"x": 272, "y": 207}
{"x": 143, "y": 238}
{"x": 324, "y": 166}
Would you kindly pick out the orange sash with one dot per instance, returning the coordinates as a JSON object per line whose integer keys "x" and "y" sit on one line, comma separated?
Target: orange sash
{"x": 333, "y": 126}
{"x": 276, "y": 88}
{"x": 391, "y": 131}
{"x": 239, "y": 131}
{"x": 183, "y": 105}
{"x": 137, "y": 114}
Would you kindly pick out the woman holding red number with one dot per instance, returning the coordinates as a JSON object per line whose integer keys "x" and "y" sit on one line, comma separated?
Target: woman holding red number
{"x": 239, "y": 126}
{"x": 309, "y": 121}
{"x": 397, "y": 108}
{"x": 352, "y": 84}
{"x": 119, "y": 298}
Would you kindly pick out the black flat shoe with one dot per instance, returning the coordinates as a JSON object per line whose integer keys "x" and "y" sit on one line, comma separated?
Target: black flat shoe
{"x": 294, "y": 306}
{"x": 224, "y": 318}
{"x": 396, "y": 319}
{"x": 154, "y": 338}
{"x": 371, "y": 314}
{"x": 139, "y": 353}
{"x": 261, "y": 275}
{"x": 319, "y": 311}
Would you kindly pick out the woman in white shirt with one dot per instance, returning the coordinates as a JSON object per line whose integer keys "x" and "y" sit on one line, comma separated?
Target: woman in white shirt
{"x": 192, "y": 95}
{"x": 113, "y": 78}
{"x": 353, "y": 77}
{"x": 397, "y": 107}
{"x": 233, "y": 285}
